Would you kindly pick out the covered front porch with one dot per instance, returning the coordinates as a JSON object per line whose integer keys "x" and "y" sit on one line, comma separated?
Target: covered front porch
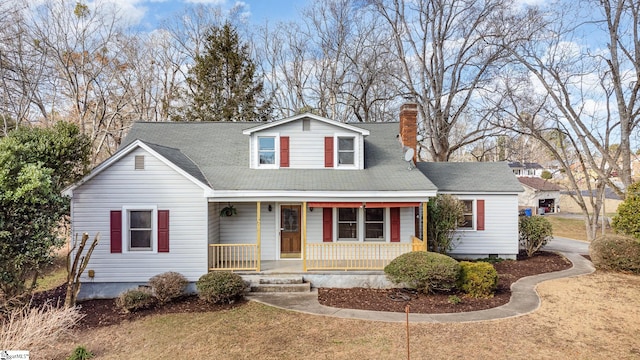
{"x": 306, "y": 236}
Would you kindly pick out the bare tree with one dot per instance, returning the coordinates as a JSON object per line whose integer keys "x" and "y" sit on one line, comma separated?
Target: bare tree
{"x": 579, "y": 101}
{"x": 447, "y": 55}
{"x": 337, "y": 62}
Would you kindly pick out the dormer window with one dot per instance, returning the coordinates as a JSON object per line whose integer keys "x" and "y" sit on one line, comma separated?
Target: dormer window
{"x": 267, "y": 150}
{"x": 346, "y": 150}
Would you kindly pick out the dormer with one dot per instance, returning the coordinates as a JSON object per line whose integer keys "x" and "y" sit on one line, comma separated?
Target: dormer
{"x": 306, "y": 141}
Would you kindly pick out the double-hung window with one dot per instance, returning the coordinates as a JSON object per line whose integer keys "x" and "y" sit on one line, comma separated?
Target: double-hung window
{"x": 346, "y": 150}
{"x": 374, "y": 224}
{"x": 140, "y": 230}
{"x": 348, "y": 224}
{"x": 467, "y": 223}
{"x": 266, "y": 150}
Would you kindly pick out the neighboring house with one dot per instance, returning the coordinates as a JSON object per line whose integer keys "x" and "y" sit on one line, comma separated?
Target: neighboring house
{"x": 539, "y": 195}
{"x": 526, "y": 168}
{"x": 306, "y": 193}
{"x": 490, "y": 196}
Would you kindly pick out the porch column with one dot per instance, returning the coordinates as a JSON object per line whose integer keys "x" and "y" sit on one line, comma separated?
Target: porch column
{"x": 304, "y": 236}
{"x": 424, "y": 225}
{"x": 258, "y": 236}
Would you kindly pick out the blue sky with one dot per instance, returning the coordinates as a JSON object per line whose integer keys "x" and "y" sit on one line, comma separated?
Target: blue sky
{"x": 147, "y": 13}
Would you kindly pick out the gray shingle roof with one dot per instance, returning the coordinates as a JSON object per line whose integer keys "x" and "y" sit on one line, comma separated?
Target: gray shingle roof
{"x": 539, "y": 184}
{"x": 220, "y": 152}
{"x": 471, "y": 176}
{"x": 180, "y": 160}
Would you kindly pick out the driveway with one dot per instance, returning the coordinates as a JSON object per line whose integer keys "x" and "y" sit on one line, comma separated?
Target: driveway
{"x": 568, "y": 246}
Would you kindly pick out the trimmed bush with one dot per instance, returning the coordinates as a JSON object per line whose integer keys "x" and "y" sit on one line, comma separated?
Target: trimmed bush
{"x": 535, "y": 232}
{"x": 616, "y": 253}
{"x": 423, "y": 271}
{"x": 168, "y": 286}
{"x": 220, "y": 287}
{"x": 478, "y": 279}
{"x": 135, "y": 299}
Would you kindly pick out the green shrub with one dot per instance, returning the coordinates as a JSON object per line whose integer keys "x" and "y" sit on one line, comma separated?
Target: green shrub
{"x": 80, "y": 353}
{"x": 168, "y": 286}
{"x": 454, "y": 299}
{"x": 135, "y": 299}
{"x": 423, "y": 271}
{"x": 535, "y": 232}
{"x": 478, "y": 279}
{"x": 627, "y": 219}
{"x": 445, "y": 213}
{"x": 220, "y": 287}
{"x": 616, "y": 253}
{"x": 546, "y": 174}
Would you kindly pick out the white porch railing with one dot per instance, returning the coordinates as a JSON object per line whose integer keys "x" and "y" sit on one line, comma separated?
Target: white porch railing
{"x": 321, "y": 256}
{"x": 234, "y": 257}
{"x": 356, "y": 256}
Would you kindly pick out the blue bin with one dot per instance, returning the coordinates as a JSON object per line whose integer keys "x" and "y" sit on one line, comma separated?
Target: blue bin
{"x": 527, "y": 212}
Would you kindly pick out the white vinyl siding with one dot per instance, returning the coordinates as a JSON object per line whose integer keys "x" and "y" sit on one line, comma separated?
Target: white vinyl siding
{"x": 120, "y": 185}
{"x": 501, "y": 229}
{"x": 241, "y": 228}
{"x": 306, "y": 148}
{"x": 213, "y": 223}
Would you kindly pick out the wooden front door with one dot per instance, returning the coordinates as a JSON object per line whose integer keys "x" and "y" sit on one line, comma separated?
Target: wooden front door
{"x": 290, "y": 243}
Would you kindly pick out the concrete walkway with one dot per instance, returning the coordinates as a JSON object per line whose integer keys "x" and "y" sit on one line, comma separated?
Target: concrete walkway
{"x": 524, "y": 298}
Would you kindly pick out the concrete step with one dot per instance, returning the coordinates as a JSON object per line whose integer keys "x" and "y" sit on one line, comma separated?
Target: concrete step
{"x": 304, "y": 287}
{"x": 281, "y": 280}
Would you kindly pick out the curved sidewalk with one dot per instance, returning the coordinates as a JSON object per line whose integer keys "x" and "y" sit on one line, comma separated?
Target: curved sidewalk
{"x": 524, "y": 297}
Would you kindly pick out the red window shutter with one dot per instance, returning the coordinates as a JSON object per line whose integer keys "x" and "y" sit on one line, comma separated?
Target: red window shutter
{"x": 163, "y": 230}
{"x": 284, "y": 151}
{"x": 327, "y": 224}
{"x": 480, "y": 217}
{"x": 328, "y": 152}
{"x": 116, "y": 231}
{"x": 395, "y": 224}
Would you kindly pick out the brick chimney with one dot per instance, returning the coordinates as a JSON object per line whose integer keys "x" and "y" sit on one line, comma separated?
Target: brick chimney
{"x": 409, "y": 127}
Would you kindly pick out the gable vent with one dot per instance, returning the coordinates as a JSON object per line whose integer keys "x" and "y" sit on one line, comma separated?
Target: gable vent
{"x": 139, "y": 162}
{"x": 306, "y": 124}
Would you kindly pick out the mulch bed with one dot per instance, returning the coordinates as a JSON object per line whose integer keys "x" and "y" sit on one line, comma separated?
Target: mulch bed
{"x": 395, "y": 300}
{"x": 102, "y": 312}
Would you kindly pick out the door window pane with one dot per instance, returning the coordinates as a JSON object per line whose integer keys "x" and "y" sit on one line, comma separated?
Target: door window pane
{"x": 290, "y": 219}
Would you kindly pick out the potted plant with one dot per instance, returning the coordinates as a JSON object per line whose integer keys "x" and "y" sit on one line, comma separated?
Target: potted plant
{"x": 228, "y": 210}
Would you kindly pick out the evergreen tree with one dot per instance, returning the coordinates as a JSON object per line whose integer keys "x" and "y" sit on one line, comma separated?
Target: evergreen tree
{"x": 35, "y": 165}
{"x": 223, "y": 82}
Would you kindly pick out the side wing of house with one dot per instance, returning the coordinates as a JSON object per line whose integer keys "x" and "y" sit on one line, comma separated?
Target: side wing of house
{"x": 491, "y": 227}
{"x": 151, "y": 219}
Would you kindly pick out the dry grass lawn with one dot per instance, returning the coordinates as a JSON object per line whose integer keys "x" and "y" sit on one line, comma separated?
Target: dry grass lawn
{"x": 569, "y": 227}
{"x": 589, "y": 317}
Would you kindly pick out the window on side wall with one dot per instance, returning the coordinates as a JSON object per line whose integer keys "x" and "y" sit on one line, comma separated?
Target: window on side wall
{"x": 467, "y": 223}
{"x": 374, "y": 224}
{"x": 348, "y": 224}
{"x": 140, "y": 229}
{"x": 346, "y": 151}
{"x": 267, "y": 150}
